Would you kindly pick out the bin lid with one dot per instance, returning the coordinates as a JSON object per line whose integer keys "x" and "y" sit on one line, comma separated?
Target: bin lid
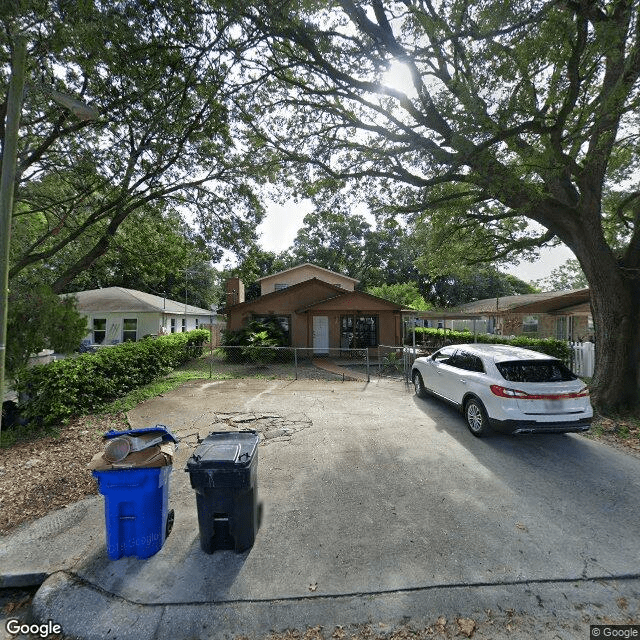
{"x": 224, "y": 450}
{"x": 161, "y": 429}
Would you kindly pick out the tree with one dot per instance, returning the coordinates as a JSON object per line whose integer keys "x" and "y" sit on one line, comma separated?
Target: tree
{"x": 565, "y": 277}
{"x": 406, "y": 294}
{"x": 515, "y": 113}
{"x": 39, "y": 319}
{"x": 474, "y": 284}
{"x": 159, "y": 75}
{"x": 153, "y": 251}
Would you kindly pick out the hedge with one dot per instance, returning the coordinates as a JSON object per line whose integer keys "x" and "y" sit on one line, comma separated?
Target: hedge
{"x": 52, "y": 392}
{"x": 552, "y": 347}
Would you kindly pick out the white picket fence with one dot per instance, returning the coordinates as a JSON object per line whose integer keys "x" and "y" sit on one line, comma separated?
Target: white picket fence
{"x": 583, "y": 358}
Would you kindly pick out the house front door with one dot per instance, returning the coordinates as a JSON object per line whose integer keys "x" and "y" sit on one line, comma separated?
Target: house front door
{"x": 320, "y": 334}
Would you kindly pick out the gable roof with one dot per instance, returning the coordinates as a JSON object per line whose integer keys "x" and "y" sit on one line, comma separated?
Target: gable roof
{"x": 350, "y": 294}
{"x": 118, "y": 299}
{"x": 309, "y": 264}
{"x": 335, "y": 290}
{"x": 528, "y": 302}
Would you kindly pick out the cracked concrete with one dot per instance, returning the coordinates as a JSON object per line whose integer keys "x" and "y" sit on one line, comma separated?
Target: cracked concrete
{"x": 271, "y": 427}
{"x": 380, "y": 507}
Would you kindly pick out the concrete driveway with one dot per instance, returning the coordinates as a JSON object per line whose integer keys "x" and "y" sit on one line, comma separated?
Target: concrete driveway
{"x": 377, "y": 506}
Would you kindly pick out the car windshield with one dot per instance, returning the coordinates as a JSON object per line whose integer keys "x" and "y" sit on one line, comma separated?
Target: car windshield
{"x": 535, "y": 371}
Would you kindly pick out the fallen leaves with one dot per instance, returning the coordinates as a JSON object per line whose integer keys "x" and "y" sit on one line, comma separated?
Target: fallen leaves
{"x": 466, "y": 626}
{"x": 43, "y": 475}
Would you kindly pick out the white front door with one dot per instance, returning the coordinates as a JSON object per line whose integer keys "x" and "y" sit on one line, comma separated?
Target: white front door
{"x": 320, "y": 334}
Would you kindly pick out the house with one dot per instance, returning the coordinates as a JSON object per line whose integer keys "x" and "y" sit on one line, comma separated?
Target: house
{"x": 317, "y": 308}
{"x": 116, "y": 314}
{"x": 565, "y": 315}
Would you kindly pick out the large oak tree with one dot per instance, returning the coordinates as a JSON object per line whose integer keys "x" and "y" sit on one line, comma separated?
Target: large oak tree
{"x": 515, "y": 113}
{"x": 158, "y": 75}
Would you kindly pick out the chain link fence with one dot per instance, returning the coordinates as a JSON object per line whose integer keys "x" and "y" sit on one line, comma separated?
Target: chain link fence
{"x": 294, "y": 363}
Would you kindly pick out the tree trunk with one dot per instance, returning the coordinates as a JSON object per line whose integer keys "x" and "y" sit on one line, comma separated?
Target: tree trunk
{"x": 615, "y": 302}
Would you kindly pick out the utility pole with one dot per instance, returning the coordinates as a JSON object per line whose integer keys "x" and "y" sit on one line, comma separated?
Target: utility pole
{"x": 8, "y": 177}
{"x": 7, "y": 181}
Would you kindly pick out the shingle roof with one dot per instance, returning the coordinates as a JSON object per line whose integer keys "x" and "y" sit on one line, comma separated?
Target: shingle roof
{"x": 534, "y": 302}
{"x": 121, "y": 299}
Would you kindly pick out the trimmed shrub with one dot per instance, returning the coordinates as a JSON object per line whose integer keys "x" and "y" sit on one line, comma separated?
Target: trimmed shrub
{"x": 552, "y": 347}
{"x": 53, "y": 392}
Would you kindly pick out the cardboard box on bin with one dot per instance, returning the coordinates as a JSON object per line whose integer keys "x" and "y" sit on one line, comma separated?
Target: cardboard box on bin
{"x": 153, "y": 456}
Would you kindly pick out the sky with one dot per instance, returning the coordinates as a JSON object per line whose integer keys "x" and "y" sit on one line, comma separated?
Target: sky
{"x": 282, "y": 222}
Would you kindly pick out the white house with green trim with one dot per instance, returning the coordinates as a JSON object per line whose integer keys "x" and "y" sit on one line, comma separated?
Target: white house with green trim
{"x": 116, "y": 314}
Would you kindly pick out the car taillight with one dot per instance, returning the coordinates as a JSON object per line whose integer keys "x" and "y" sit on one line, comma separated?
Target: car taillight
{"x": 504, "y": 392}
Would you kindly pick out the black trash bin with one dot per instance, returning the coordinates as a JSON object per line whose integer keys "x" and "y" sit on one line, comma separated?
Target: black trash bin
{"x": 224, "y": 473}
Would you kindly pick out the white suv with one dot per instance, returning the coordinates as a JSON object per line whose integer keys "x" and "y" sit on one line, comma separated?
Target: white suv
{"x": 510, "y": 389}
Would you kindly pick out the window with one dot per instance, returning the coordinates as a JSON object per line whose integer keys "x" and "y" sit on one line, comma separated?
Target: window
{"x": 359, "y": 331}
{"x": 535, "y": 371}
{"x": 197, "y": 322}
{"x": 184, "y": 325}
{"x": 173, "y": 325}
{"x": 467, "y": 361}
{"x": 129, "y": 330}
{"x": 280, "y": 287}
{"x": 530, "y": 324}
{"x": 99, "y": 330}
{"x": 282, "y": 323}
{"x": 561, "y": 328}
{"x": 444, "y": 355}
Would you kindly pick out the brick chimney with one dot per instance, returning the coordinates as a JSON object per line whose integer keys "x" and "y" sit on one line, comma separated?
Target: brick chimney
{"x": 235, "y": 291}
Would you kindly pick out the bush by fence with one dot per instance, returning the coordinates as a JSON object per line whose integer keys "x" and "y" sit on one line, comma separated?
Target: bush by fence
{"x": 439, "y": 337}
{"x": 52, "y": 392}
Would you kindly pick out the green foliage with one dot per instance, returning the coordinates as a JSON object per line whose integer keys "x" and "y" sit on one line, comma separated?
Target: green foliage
{"x": 255, "y": 342}
{"x": 552, "y": 347}
{"x": 406, "y": 294}
{"x": 566, "y": 276}
{"x": 53, "y": 392}
{"x": 38, "y": 319}
{"x": 154, "y": 251}
{"x": 160, "y": 77}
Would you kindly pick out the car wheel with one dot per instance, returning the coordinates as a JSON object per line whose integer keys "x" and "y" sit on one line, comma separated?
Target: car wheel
{"x": 476, "y": 417}
{"x": 418, "y": 385}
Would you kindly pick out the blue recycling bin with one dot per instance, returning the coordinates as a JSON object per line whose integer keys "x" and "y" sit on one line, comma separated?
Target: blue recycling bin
{"x": 136, "y": 510}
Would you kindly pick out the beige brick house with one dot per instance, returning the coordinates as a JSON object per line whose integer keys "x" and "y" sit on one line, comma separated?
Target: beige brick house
{"x": 565, "y": 315}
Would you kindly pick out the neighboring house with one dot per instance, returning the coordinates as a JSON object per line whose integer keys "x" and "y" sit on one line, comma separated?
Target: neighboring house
{"x": 116, "y": 314}
{"x": 565, "y": 315}
{"x": 317, "y": 308}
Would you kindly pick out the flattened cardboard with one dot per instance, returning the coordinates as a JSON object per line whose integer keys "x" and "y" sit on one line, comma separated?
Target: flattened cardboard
{"x": 160, "y": 455}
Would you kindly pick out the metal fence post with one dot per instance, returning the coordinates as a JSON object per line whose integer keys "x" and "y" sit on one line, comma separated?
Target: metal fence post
{"x": 211, "y": 358}
{"x": 295, "y": 359}
{"x": 368, "y": 377}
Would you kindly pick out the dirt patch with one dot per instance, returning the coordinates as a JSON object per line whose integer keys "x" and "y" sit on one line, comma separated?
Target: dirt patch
{"x": 621, "y": 433}
{"x": 41, "y": 475}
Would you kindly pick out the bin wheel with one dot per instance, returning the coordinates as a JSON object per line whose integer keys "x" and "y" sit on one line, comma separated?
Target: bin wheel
{"x": 170, "y": 518}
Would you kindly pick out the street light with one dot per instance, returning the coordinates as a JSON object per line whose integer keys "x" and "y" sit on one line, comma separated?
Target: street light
{"x": 7, "y": 179}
